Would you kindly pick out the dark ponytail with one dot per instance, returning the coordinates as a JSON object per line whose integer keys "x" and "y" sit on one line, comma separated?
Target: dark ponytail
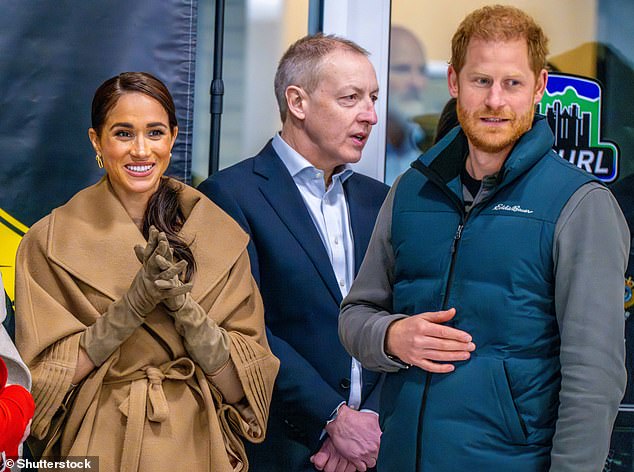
{"x": 164, "y": 212}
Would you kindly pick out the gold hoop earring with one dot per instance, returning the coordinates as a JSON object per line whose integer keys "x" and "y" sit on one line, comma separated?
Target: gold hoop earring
{"x": 99, "y": 161}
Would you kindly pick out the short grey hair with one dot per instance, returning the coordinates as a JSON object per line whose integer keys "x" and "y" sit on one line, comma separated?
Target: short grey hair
{"x": 301, "y": 64}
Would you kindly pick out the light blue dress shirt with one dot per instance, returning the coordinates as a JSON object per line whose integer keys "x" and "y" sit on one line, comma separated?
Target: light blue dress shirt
{"x": 328, "y": 209}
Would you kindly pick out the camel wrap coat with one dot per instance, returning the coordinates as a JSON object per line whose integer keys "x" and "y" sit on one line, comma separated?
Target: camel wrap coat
{"x": 149, "y": 406}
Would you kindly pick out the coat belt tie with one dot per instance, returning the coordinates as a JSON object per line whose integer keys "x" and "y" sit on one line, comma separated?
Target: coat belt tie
{"x": 147, "y": 400}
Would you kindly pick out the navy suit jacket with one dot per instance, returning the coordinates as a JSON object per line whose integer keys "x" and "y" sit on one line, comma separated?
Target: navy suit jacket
{"x": 299, "y": 289}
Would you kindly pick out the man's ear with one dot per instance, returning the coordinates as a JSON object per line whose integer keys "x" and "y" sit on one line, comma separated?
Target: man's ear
{"x": 296, "y": 99}
{"x": 540, "y": 86}
{"x": 452, "y": 81}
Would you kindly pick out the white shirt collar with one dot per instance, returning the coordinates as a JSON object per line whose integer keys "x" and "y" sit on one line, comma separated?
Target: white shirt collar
{"x": 296, "y": 163}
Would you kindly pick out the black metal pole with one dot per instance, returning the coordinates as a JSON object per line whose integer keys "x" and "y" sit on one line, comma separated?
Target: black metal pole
{"x": 217, "y": 89}
{"x": 315, "y": 16}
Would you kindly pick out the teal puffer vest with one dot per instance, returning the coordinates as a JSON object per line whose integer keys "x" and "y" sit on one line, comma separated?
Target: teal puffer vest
{"x": 496, "y": 411}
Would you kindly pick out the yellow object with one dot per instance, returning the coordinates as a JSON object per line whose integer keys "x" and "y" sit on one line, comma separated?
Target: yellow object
{"x": 11, "y": 232}
{"x": 629, "y": 300}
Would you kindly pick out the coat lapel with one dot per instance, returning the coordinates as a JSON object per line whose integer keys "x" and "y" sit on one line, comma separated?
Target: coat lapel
{"x": 94, "y": 240}
{"x": 280, "y": 191}
{"x": 215, "y": 239}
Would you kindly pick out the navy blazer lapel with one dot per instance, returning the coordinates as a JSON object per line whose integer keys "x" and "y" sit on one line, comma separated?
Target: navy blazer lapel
{"x": 279, "y": 189}
{"x": 361, "y": 218}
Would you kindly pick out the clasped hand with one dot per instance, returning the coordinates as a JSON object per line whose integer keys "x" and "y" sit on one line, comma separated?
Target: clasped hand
{"x": 352, "y": 444}
{"x": 157, "y": 281}
{"x": 204, "y": 340}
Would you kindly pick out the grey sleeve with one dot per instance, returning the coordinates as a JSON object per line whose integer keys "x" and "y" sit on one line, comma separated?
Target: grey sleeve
{"x": 18, "y": 373}
{"x": 590, "y": 256}
{"x": 366, "y": 312}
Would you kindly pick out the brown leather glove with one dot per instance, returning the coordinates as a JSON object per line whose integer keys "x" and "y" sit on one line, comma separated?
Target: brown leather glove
{"x": 125, "y": 315}
{"x": 169, "y": 277}
{"x": 110, "y": 330}
{"x": 207, "y": 343}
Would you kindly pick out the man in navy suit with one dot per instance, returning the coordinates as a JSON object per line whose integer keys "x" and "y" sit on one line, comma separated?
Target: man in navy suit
{"x": 310, "y": 218}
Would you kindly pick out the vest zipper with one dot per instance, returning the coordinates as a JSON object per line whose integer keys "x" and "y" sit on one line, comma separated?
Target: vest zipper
{"x": 434, "y": 177}
{"x": 456, "y": 238}
{"x": 421, "y": 416}
{"x": 454, "y": 249}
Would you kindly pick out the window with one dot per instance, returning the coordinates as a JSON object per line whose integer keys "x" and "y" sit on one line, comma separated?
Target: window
{"x": 257, "y": 32}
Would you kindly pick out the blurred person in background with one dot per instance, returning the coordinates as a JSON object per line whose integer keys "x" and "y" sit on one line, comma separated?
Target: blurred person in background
{"x": 406, "y": 101}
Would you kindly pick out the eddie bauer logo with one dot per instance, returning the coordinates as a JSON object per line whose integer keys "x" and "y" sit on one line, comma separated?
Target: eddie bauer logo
{"x": 514, "y": 208}
{"x": 572, "y": 106}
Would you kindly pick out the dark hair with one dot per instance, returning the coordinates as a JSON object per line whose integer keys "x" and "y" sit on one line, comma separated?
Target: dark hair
{"x": 447, "y": 120}
{"x": 163, "y": 210}
{"x": 108, "y": 94}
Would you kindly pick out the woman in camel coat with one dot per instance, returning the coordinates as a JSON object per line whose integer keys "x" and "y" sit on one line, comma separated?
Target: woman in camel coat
{"x": 146, "y": 346}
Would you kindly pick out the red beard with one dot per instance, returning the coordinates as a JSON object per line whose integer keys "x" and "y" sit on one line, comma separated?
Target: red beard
{"x": 493, "y": 139}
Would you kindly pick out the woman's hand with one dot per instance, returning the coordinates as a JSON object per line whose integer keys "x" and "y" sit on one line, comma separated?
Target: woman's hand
{"x": 160, "y": 263}
{"x": 206, "y": 342}
{"x": 169, "y": 281}
{"x": 157, "y": 245}
{"x": 124, "y": 316}
{"x": 157, "y": 280}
